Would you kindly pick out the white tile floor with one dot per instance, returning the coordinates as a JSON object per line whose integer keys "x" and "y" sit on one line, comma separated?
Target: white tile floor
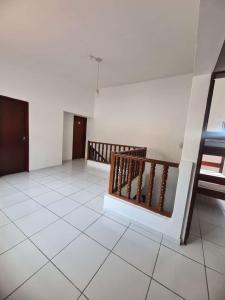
{"x": 56, "y": 242}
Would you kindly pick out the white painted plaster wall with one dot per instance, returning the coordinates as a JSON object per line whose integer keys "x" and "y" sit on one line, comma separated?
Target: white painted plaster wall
{"x": 67, "y": 136}
{"x": 48, "y": 98}
{"x": 196, "y": 112}
{"x": 151, "y": 114}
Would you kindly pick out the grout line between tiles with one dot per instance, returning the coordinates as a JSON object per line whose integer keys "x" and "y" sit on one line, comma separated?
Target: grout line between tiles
{"x": 84, "y": 204}
{"x": 110, "y": 252}
{"x": 206, "y": 278}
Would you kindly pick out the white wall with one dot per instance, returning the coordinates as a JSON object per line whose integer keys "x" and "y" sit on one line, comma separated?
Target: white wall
{"x": 67, "y": 136}
{"x": 48, "y": 98}
{"x": 196, "y": 113}
{"x": 151, "y": 114}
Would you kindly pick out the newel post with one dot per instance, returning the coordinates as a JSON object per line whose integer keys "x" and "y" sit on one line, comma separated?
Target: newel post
{"x": 112, "y": 172}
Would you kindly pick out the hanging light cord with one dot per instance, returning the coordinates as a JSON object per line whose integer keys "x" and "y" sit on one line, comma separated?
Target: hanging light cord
{"x": 98, "y": 60}
{"x": 98, "y": 72}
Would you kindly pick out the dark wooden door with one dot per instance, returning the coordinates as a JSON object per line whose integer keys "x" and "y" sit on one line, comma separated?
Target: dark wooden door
{"x": 79, "y": 137}
{"x": 13, "y": 136}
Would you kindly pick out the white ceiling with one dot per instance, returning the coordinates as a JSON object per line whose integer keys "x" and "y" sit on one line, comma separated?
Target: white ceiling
{"x": 138, "y": 39}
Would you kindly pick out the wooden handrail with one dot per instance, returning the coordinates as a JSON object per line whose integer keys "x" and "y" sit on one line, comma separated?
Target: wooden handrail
{"x": 127, "y": 174}
{"x": 121, "y": 145}
{"x": 149, "y": 160}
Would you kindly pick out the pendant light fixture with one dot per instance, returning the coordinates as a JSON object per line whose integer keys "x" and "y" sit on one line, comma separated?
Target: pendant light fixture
{"x": 98, "y": 60}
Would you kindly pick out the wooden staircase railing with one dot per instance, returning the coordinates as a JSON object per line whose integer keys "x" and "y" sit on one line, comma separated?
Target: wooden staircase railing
{"x": 102, "y": 152}
{"x": 125, "y": 167}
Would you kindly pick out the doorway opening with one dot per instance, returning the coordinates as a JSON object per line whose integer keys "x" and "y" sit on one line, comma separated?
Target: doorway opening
{"x": 79, "y": 137}
{"x": 14, "y": 136}
{"x": 74, "y": 136}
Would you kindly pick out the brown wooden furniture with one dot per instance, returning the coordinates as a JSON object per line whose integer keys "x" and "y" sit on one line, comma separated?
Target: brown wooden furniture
{"x": 203, "y": 148}
{"x": 216, "y": 165}
{"x": 126, "y": 167}
{"x": 14, "y": 136}
{"x": 210, "y": 184}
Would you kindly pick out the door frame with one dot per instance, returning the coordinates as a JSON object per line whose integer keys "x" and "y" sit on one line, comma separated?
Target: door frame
{"x": 85, "y": 118}
{"x": 26, "y": 123}
{"x": 214, "y": 76}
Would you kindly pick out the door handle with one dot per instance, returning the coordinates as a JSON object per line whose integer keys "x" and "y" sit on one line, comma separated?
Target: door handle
{"x": 23, "y": 138}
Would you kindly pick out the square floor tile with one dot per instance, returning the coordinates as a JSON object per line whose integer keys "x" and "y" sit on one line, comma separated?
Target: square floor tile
{"x": 159, "y": 292}
{"x": 3, "y": 220}
{"x": 21, "y": 209}
{"x": 82, "y": 196}
{"x": 193, "y": 249}
{"x": 82, "y": 217}
{"x": 17, "y": 265}
{"x": 45, "y": 179}
{"x": 214, "y": 256}
{"x": 117, "y": 217}
{"x": 117, "y": 280}
{"x": 6, "y": 201}
{"x": 47, "y": 284}
{"x": 195, "y": 228}
{"x": 138, "y": 250}
{"x": 213, "y": 233}
{"x": 63, "y": 207}
{"x": 179, "y": 273}
{"x": 55, "y": 237}
{"x": 106, "y": 232}
{"x": 36, "y": 191}
{"x": 55, "y": 184}
{"x": 7, "y": 190}
{"x": 96, "y": 204}
{"x": 150, "y": 233}
{"x": 10, "y": 236}
{"x": 80, "y": 183}
{"x": 48, "y": 198}
{"x": 67, "y": 190}
{"x": 36, "y": 221}
{"x": 27, "y": 185}
{"x": 216, "y": 284}
{"x": 81, "y": 260}
{"x": 96, "y": 189}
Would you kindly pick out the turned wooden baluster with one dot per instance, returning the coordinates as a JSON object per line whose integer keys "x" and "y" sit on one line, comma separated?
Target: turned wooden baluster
{"x": 117, "y": 172}
{"x": 120, "y": 176}
{"x": 106, "y": 153}
{"x": 124, "y": 171}
{"x": 139, "y": 184}
{"x": 129, "y": 179}
{"x": 89, "y": 149}
{"x": 98, "y": 151}
{"x": 103, "y": 149}
{"x": 110, "y": 154}
{"x": 113, "y": 176}
{"x": 163, "y": 187}
{"x": 150, "y": 185}
{"x": 94, "y": 152}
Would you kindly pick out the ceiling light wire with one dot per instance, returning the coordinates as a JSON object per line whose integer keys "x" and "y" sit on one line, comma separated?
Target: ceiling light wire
{"x": 98, "y": 61}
